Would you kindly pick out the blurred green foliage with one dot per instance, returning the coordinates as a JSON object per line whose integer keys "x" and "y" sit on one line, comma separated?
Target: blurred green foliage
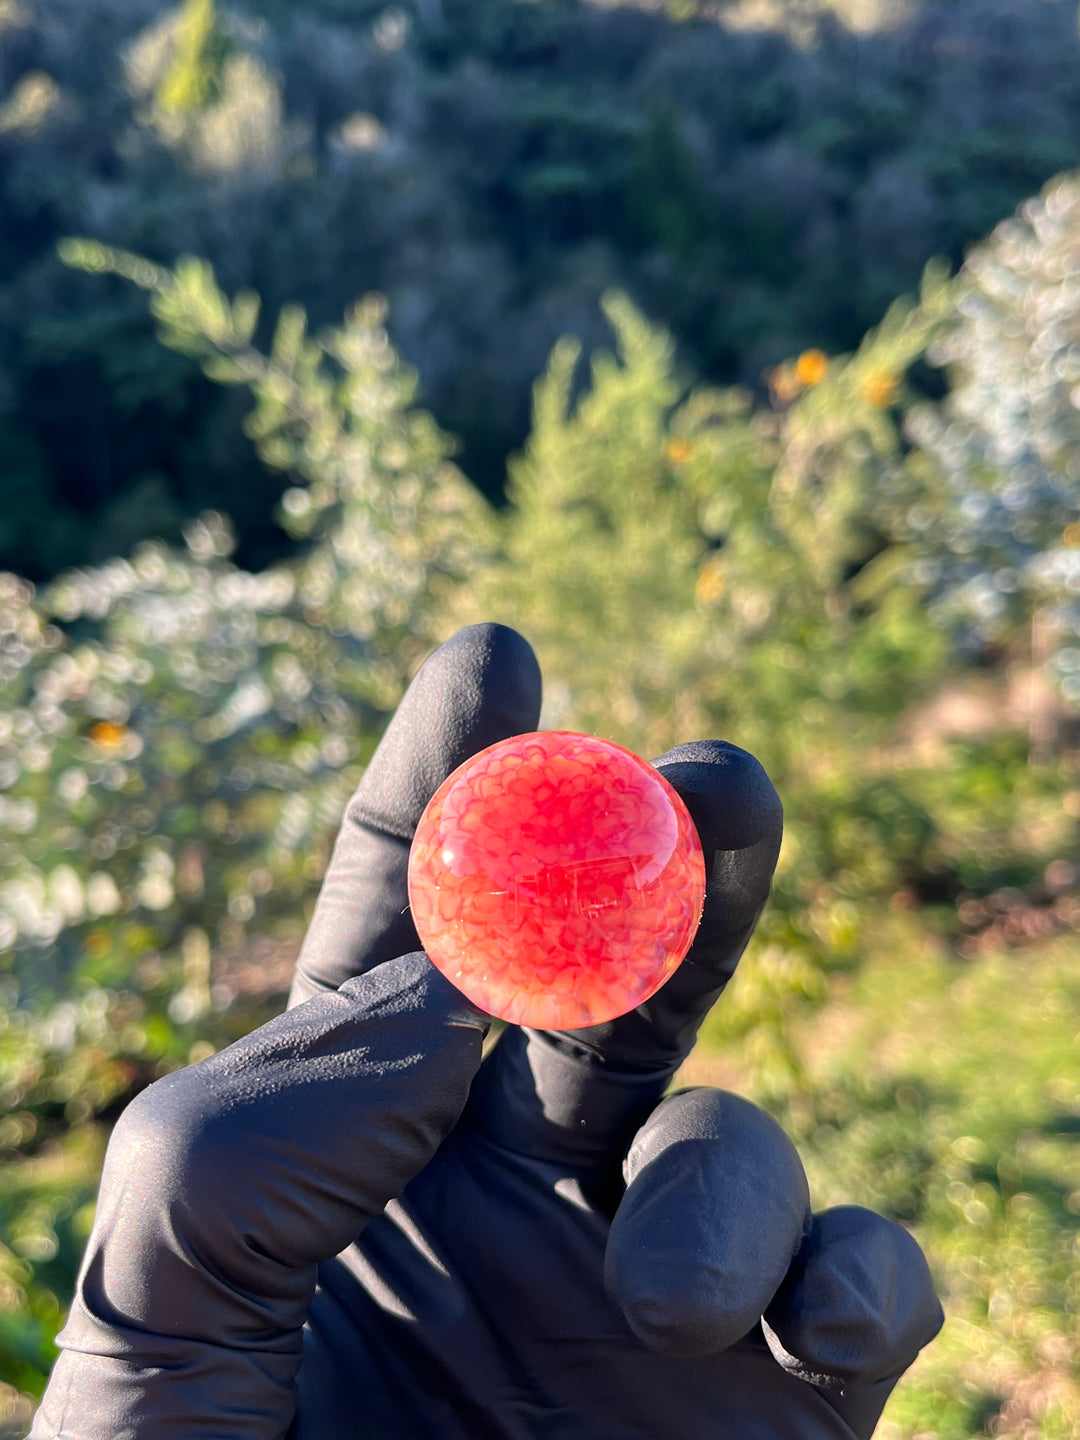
{"x": 759, "y": 179}
{"x": 792, "y": 569}
{"x": 1006, "y": 542}
{"x": 177, "y": 741}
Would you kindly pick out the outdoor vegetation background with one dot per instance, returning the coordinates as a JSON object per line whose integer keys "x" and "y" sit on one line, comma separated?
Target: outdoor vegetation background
{"x": 730, "y": 351}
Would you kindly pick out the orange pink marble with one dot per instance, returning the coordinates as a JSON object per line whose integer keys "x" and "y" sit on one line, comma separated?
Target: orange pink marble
{"x": 556, "y": 879}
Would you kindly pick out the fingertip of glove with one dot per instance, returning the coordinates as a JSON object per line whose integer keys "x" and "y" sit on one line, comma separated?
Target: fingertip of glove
{"x": 730, "y": 797}
{"x": 480, "y": 687}
{"x": 490, "y": 652}
{"x": 716, "y": 1205}
{"x": 858, "y": 1303}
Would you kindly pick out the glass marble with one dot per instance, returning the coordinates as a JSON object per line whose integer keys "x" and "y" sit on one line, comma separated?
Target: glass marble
{"x": 556, "y": 879}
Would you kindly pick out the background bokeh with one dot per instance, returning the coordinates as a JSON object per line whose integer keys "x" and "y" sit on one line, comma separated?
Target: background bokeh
{"x": 729, "y": 351}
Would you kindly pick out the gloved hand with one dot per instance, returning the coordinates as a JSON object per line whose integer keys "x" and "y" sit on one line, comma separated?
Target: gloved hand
{"x": 342, "y": 1227}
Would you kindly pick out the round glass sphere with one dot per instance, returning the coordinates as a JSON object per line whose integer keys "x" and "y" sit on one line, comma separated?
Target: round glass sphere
{"x": 556, "y": 879}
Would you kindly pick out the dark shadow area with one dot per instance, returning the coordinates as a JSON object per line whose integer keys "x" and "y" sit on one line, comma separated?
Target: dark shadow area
{"x": 1063, "y": 1124}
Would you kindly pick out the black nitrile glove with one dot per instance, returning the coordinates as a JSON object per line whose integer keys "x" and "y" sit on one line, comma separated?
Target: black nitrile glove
{"x": 551, "y": 1251}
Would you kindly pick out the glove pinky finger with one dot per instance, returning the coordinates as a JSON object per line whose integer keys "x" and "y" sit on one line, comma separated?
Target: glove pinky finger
{"x": 857, "y": 1306}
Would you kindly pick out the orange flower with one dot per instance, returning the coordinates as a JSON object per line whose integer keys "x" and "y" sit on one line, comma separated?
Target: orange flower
{"x": 1071, "y": 535}
{"x": 108, "y": 736}
{"x": 710, "y": 583}
{"x": 811, "y": 366}
{"x": 678, "y": 451}
{"x": 879, "y": 389}
{"x": 786, "y": 385}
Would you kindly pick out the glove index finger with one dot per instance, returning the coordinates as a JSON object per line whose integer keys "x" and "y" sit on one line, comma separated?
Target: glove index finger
{"x": 480, "y": 687}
